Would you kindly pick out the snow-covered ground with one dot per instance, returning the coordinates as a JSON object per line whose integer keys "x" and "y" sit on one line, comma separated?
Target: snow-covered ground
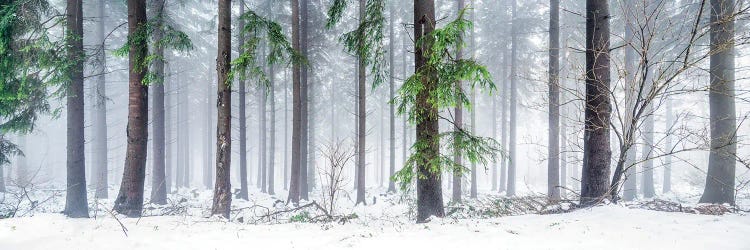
{"x": 384, "y": 225}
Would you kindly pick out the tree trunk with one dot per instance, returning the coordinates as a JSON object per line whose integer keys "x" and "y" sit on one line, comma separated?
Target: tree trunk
{"x": 169, "y": 130}
{"x": 504, "y": 105}
{"x": 667, "y": 178}
{"x": 222, "y": 191}
{"x": 553, "y": 149}
{"x": 472, "y": 46}
{"x": 294, "y": 181}
{"x": 630, "y": 189}
{"x": 361, "y": 114}
{"x": 391, "y": 90}
{"x": 429, "y": 188}
{"x": 647, "y": 185}
{"x": 286, "y": 131}
{"x": 207, "y": 135}
{"x": 304, "y": 115}
{"x": 99, "y": 142}
{"x": 76, "y": 205}
{"x": 158, "y": 185}
{"x": 597, "y": 154}
{"x": 272, "y": 133}
{"x": 129, "y": 201}
{"x": 720, "y": 180}
{"x": 262, "y": 135}
{"x": 511, "y": 191}
{"x": 458, "y": 121}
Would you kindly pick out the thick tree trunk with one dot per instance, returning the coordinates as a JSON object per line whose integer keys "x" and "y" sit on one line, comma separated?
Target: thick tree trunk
{"x": 361, "y": 116}
{"x": 99, "y": 142}
{"x": 391, "y": 106}
{"x": 294, "y": 181}
{"x": 223, "y": 190}
{"x": 597, "y": 153}
{"x": 76, "y": 205}
{"x": 553, "y": 149}
{"x": 511, "y": 191}
{"x": 158, "y": 184}
{"x": 720, "y": 180}
{"x": 129, "y": 201}
{"x": 429, "y": 187}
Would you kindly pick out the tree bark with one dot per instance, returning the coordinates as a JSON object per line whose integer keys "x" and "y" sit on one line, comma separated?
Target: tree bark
{"x": 294, "y": 181}
{"x": 222, "y": 191}
{"x": 458, "y": 121}
{"x": 361, "y": 115}
{"x": 129, "y": 201}
{"x": 429, "y": 188}
{"x": 99, "y": 142}
{"x": 630, "y": 189}
{"x": 553, "y": 149}
{"x": 391, "y": 95}
{"x": 511, "y": 191}
{"x": 272, "y": 133}
{"x": 597, "y": 152}
{"x": 158, "y": 184}
{"x": 304, "y": 143}
{"x": 720, "y": 179}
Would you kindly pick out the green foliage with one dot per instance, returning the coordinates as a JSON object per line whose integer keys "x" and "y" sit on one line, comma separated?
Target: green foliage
{"x": 367, "y": 41}
{"x": 445, "y": 71}
{"x": 172, "y": 38}
{"x": 304, "y": 216}
{"x": 280, "y": 50}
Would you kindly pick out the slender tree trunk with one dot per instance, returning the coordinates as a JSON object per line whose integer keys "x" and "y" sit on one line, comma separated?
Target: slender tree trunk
{"x": 597, "y": 153}
{"x": 158, "y": 184}
{"x": 129, "y": 201}
{"x": 361, "y": 115}
{"x": 504, "y": 103}
{"x": 472, "y": 46}
{"x": 458, "y": 121}
{"x": 272, "y": 133}
{"x": 391, "y": 106}
{"x": 311, "y": 146}
{"x": 720, "y": 179}
{"x": 180, "y": 136}
{"x": 22, "y": 168}
{"x": 511, "y": 191}
{"x": 667, "y": 178}
{"x": 647, "y": 185}
{"x": 294, "y": 181}
{"x": 222, "y": 191}
{"x": 429, "y": 188}
{"x": 304, "y": 145}
{"x": 286, "y": 131}
{"x": 169, "y": 130}
{"x": 630, "y": 189}
{"x": 99, "y": 142}
{"x": 553, "y": 149}
{"x": 207, "y": 135}
{"x": 262, "y": 135}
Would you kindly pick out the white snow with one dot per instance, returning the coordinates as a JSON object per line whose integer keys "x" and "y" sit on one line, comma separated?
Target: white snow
{"x": 383, "y": 226}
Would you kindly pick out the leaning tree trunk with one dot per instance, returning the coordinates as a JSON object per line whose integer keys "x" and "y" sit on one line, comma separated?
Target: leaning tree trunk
{"x": 720, "y": 180}
{"x": 99, "y": 142}
{"x": 511, "y": 191}
{"x": 553, "y": 149}
{"x": 222, "y": 190}
{"x": 361, "y": 113}
{"x": 130, "y": 198}
{"x": 158, "y": 184}
{"x": 294, "y": 181}
{"x": 429, "y": 188}
{"x": 597, "y": 154}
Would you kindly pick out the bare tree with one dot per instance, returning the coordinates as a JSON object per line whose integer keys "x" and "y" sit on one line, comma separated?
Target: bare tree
{"x": 332, "y": 181}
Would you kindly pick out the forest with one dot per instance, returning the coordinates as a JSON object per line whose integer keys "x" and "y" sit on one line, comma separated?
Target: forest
{"x": 374, "y": 124}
